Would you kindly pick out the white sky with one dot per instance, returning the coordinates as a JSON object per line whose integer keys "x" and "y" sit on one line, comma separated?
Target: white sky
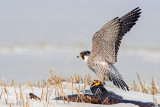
{"x": 69, "y": 21}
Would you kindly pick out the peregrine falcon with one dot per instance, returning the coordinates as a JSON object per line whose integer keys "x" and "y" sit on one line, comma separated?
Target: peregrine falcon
{"x": 105, "y": 46}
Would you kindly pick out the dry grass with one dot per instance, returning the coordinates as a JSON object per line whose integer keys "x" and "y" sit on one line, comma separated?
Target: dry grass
{"x": 151, "y": 89}
{"x": 3, "y": 93}
{"x": 55, "y": 82}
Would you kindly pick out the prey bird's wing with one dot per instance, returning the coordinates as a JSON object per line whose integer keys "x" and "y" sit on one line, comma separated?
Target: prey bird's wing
{"x": 106, "y": 41}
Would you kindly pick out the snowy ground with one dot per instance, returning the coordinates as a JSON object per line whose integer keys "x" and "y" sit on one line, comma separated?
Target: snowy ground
{"x": 11, "y": 96}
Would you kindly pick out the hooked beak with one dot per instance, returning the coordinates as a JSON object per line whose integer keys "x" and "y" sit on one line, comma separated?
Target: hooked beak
{"x": 78, "y": 56}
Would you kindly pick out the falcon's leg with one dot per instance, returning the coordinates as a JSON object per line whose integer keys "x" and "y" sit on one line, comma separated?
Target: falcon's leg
{"x": 96, "y": 83}
{"x": 97, "y": 88}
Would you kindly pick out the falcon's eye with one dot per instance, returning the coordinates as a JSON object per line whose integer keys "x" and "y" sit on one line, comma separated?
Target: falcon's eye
{"x": 81, "y": 54}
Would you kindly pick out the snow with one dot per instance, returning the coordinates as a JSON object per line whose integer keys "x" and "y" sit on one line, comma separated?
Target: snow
{"x": 11, "y": 96}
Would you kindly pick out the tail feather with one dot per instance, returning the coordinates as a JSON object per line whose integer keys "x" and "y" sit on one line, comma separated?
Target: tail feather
{"x": 118, "y": 81}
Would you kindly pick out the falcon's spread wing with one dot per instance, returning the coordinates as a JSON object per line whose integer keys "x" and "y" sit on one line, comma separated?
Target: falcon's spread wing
{"x": 106, "y": 41}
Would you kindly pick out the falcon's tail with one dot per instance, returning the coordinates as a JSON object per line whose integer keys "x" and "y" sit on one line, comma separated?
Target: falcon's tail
{"x": 117, "y": 79}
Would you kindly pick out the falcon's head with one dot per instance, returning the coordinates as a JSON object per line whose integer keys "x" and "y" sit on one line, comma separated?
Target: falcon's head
{"x": 84, "y": 55}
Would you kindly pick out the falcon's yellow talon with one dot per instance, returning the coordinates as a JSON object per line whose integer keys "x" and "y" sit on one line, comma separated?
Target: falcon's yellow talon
{"x": 96, "y": 84}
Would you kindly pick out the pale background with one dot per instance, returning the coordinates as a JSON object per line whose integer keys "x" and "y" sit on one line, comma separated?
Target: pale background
{"x": 38, "y": 35}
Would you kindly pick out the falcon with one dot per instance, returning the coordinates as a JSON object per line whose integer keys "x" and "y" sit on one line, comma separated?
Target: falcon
{"x": 105, "y": 46}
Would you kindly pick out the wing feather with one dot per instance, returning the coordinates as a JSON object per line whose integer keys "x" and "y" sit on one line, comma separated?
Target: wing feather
{"x": 127, "y": 22}
{"x": 107, "y": 40}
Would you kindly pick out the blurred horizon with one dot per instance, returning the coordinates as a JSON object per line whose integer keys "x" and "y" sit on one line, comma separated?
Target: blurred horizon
{"x": 38, "y": 35}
